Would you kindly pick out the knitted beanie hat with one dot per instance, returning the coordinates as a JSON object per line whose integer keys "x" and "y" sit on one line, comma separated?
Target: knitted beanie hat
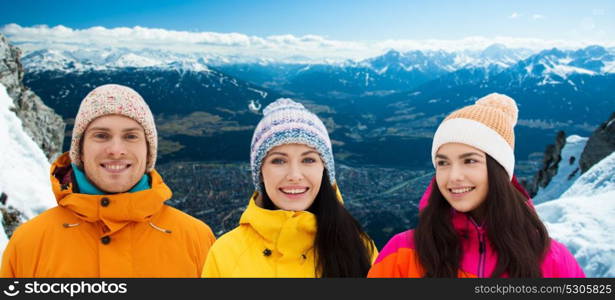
{"x": 114, "y": 99}
{"x": 487, "y": 125}
{"x": 288, "y": 122}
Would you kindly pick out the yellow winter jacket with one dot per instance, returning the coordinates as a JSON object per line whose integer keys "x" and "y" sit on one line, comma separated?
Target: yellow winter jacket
{"x": 116, "y": 235}
{"x": 267, "y": 243}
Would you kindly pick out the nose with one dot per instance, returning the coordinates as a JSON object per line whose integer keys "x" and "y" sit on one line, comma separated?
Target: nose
{"x": 295, "y": 173}
{"x": 116, "y": 148}
{"x": 456, "y": 173}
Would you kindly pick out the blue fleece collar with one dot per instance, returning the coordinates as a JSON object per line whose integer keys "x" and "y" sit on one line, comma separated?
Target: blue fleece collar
{"x": 86, "y": 187}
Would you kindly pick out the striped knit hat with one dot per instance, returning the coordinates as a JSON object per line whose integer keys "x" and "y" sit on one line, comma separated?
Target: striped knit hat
{"x": 288, "y": 122}
{"x": 487, "y": 125}
{"x": 114, "y": 99}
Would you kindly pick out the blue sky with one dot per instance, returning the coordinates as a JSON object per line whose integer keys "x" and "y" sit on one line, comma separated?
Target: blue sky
{"x": 313, "y": 30}
{"x": 339, "y": 20}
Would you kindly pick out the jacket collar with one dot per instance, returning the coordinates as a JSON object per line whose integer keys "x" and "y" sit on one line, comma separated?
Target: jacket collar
{"x": 289, "y": 232}
{"x": 123, "y": 208}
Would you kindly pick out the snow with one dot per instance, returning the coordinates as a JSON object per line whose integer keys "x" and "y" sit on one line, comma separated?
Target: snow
{"x": 134, "y": 60}
{"x": 254, "y": 106}
{"x": 582, "y": 219}
{"x": 609, "y": 67}
{"x": 24, "y": 169}
{"x": 563, "y": 71}
{"x": 585, "y": 225}
{"x": 262, "y": 93}
{"x": 598, "y": 179}
{"x": 529, "y": 69}
{"x": 102, "y": 59}
{"x": 548, "y": 80}
{"x": 383, "y": 70}
{"x": 561, "y": 182}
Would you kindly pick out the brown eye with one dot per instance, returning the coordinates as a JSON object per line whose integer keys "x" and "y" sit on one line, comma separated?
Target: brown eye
{"x": 277, "y": 161}
{"x": 309, "y": 160}
{"x": 100, "y": 135}
{"x": 441, "y": 163}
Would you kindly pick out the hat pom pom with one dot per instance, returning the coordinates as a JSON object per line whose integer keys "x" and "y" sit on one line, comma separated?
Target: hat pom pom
{"x": 502, "y": 103}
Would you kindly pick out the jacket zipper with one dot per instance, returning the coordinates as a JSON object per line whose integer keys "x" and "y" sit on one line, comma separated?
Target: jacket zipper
{"x": 481, "y": 250}
{"x": 481, "y": 259}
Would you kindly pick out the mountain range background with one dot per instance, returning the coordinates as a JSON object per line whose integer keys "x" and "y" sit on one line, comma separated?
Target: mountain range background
{"x": 381, "y": 113}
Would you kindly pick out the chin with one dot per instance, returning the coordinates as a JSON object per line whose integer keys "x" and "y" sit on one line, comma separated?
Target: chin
{"x": 116, "y": 188}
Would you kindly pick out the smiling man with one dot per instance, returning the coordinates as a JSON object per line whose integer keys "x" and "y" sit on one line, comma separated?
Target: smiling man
{"x": 111, "y": 220}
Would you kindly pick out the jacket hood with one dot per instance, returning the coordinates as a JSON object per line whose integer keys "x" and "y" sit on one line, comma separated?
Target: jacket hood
{"x": 124, "y": 208}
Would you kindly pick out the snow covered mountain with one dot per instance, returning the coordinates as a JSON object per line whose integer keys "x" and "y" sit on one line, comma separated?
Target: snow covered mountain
{"x": 104, "y": 59}
{"x": 430, "y": 61}
{"x": 582, "y": 219}
{"x": 24, "y": 168}
{"x": 390, "y": 62}
{"x": 568, "y": 170}
{"x": 554, "y": 66}
{"x": 389, "y": 73}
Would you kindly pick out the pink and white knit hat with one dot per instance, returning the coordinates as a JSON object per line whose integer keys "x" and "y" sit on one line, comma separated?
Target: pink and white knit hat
{"x": 114, "y": 99}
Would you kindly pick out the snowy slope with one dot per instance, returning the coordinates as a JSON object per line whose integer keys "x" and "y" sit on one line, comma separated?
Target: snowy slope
{"x": 564, "y": 178}
{"x": 583, "y": 219}
{"x": 599, "y": 179}
{"x": 24, "y": 169}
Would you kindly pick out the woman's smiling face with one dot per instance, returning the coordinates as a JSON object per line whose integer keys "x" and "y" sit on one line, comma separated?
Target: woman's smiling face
{"x": 461, "y": 175}
{"x": 292, "y": 175}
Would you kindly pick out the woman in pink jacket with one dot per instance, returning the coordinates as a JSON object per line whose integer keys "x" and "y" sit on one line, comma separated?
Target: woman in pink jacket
{"x": 475, "y": 219}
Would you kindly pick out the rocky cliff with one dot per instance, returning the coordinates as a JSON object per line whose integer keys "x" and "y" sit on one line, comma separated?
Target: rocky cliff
{"x": 600, "y": 144}
{"x": 549, "y": 165}
{"x": 44, "y": 126}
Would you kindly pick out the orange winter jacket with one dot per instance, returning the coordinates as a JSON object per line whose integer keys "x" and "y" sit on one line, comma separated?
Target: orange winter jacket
{"x": 115, "y": 235}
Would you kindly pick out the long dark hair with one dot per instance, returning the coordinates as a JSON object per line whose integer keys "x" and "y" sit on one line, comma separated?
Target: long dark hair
{"x": 514, "y": 230}
{"x": 341, "y": 246}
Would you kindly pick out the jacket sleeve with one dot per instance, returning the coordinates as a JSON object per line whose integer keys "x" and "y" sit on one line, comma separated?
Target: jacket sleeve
{"x": 565, "y": 265}
{"x": 7, "y": 270}
{"x": 393, "y": 258}
{"x": 210, "y": 270}
{"x": 207, "y": 240}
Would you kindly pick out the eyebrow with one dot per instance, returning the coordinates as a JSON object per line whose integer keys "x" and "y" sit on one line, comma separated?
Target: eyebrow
{"x": 107, "y": 129}
{"x": 460, "y": 156}
{"x": 302, "y": 154}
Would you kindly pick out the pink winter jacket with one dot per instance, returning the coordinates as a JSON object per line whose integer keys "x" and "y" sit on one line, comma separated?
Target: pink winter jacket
{"x": 399, "y": 258}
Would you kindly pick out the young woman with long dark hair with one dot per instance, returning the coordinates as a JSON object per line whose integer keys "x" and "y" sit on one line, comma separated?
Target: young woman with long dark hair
{"x": 295, "y": 224}
{"x": 475, "y": 219}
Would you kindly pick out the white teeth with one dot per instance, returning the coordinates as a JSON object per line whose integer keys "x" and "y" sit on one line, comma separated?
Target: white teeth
{"x": 116, "y": 167}
{"x": 459, "y": 191}
{"x": 295, "y": 191}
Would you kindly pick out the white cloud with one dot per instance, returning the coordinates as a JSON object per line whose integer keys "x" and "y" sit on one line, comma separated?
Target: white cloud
{"x": 514, "y": 15}
{"x": 277, "y": 47}
{"x": 537, "y": 16}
